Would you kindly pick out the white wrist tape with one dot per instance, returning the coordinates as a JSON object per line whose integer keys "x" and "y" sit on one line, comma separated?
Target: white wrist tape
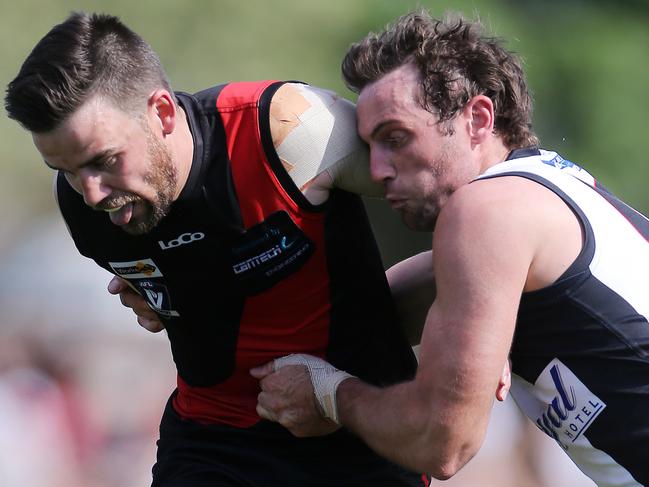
{"x": 325, "y": 379}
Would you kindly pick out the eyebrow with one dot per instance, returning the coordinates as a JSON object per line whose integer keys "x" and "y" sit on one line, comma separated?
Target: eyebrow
{"x": 105, "y": 154}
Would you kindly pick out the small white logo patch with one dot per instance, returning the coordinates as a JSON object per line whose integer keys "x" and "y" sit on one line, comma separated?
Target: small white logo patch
{"x": 136, "y": 269}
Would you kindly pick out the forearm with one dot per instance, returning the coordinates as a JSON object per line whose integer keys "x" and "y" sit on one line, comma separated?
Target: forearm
{"x": 412, "y": 284}
{"x": 403, "y": 425}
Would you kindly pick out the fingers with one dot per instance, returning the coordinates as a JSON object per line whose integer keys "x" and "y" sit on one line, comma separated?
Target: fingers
{"x": 275, "y": 365}
{"x": 265, "y": 407}
{"x": 265, "y": 413}
{"x": 152, "y": 325}
{"x": 263, "y": 370}
{"x": 146, "y": 317}
{"x": 117, "y": 285}
{"x": 505, "y": 382}
{"x": 137, "y": 303}
{"x": 300, "y": 422}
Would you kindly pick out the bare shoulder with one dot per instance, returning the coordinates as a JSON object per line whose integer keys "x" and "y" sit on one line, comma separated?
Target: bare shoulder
{"x": 502, "y": 201}
{"x": 513, "y": 221}
{"x": 487, "y": 226}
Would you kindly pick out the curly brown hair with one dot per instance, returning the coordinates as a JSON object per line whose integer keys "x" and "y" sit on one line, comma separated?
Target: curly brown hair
{"x": 456, "y": 62}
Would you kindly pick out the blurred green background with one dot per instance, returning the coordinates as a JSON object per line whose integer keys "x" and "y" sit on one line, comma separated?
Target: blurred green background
{"x": 587, "y": 61}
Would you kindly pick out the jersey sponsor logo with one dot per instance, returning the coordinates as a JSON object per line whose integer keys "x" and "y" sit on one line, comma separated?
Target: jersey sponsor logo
{"x": 572, "y": 409}
{"x": 157, "y": 297}
{"x": 185, "y": 238}
{"x": 285, "y": 244}
{"x": 268, "y": 252}
{"x": 136, "y": 269}
{"x": 267, "y": 256}
{"x": 560, "y": 162}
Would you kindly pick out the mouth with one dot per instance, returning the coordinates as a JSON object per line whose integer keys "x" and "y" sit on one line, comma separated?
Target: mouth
{"x": 121, "y": 215}
{"x": 396, "y": 203}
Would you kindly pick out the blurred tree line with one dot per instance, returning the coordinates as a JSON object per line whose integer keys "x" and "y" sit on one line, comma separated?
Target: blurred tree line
{"x": 587, "y": 62}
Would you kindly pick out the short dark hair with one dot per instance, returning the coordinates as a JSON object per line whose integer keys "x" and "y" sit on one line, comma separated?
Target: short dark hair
{"x": 86, "y": 55}
{"x": 456, "y": 62}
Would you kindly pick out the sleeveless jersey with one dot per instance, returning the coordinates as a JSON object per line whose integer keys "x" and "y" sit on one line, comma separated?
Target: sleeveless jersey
{"x": 580, "y": 352}
{"x": 243, "y": 269}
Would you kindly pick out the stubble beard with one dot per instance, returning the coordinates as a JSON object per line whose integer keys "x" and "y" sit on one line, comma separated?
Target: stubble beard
{"x": 163, "y": 178}
{"x": 422, "y": 217}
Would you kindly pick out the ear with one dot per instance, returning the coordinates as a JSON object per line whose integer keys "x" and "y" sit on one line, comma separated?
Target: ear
{"x": 162, "y": 112}
{"x": 480, "y": 113}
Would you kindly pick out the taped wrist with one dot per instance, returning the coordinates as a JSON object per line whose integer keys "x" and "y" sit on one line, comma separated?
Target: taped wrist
{"x": 325, "y": 379}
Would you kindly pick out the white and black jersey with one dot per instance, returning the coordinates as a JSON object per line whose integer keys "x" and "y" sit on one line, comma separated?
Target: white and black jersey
{"x": 580, "y": 352}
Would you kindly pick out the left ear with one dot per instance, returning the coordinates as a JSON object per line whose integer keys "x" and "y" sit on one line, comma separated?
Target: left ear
{"x": 480, "y": 113}
{"x": 162, "y": 112}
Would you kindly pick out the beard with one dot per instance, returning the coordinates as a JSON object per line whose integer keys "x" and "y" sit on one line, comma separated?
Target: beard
{"x": 421, "y": 219}
{"x": 162, "y": 176}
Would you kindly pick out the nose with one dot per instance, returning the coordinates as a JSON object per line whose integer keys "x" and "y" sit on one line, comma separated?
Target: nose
{"x": 92, "y": 187}
{"x": 381, "y": 168}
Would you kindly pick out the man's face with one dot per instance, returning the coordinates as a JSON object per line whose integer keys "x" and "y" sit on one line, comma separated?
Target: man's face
{"x": 411, "y": 154}
{"x": 115, "y": 161}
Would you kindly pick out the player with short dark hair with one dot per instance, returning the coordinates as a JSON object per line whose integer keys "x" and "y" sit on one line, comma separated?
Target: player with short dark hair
{"x": 227, "y": 211}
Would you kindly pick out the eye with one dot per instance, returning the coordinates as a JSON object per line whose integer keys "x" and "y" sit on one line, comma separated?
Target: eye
{"x": 395, "y": 139}
{"x": 106, "y": 163}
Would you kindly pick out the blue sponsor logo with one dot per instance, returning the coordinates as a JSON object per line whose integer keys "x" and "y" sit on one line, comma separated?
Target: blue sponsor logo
{"x": 286, "y": 244}
{"x": 565, "y": 419}
{"x": 561, "y": 163}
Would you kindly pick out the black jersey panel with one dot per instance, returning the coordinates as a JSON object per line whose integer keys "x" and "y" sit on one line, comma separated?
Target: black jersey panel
{"x": 67, "y": 199}
{"x": 582, "y": 319}
{"x": 364, "y": 337}
{"x": 616, "y": 315}
{"x": 189, "y": 278}
{"x": 214, "y": 179}
{"x": 621, "y": 430}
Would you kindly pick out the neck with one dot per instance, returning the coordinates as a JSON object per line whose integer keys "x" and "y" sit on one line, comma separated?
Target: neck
{"x": 183, "y": 150}
{"x": 496, "y": 153}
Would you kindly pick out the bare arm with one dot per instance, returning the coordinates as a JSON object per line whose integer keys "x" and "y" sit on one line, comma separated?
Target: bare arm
{"x": 437, "y": 422}
{"x": 481, "y": 262}
{"x": 412, "y": 283}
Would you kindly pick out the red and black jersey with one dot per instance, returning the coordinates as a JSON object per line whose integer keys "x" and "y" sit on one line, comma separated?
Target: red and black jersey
{"x": 244, "y": 269}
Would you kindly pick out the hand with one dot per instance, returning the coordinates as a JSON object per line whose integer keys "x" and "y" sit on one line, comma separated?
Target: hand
{"x": 146, "y": 317}
{"x": 505, "y": 381}
{"x": 287, "y": 398}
